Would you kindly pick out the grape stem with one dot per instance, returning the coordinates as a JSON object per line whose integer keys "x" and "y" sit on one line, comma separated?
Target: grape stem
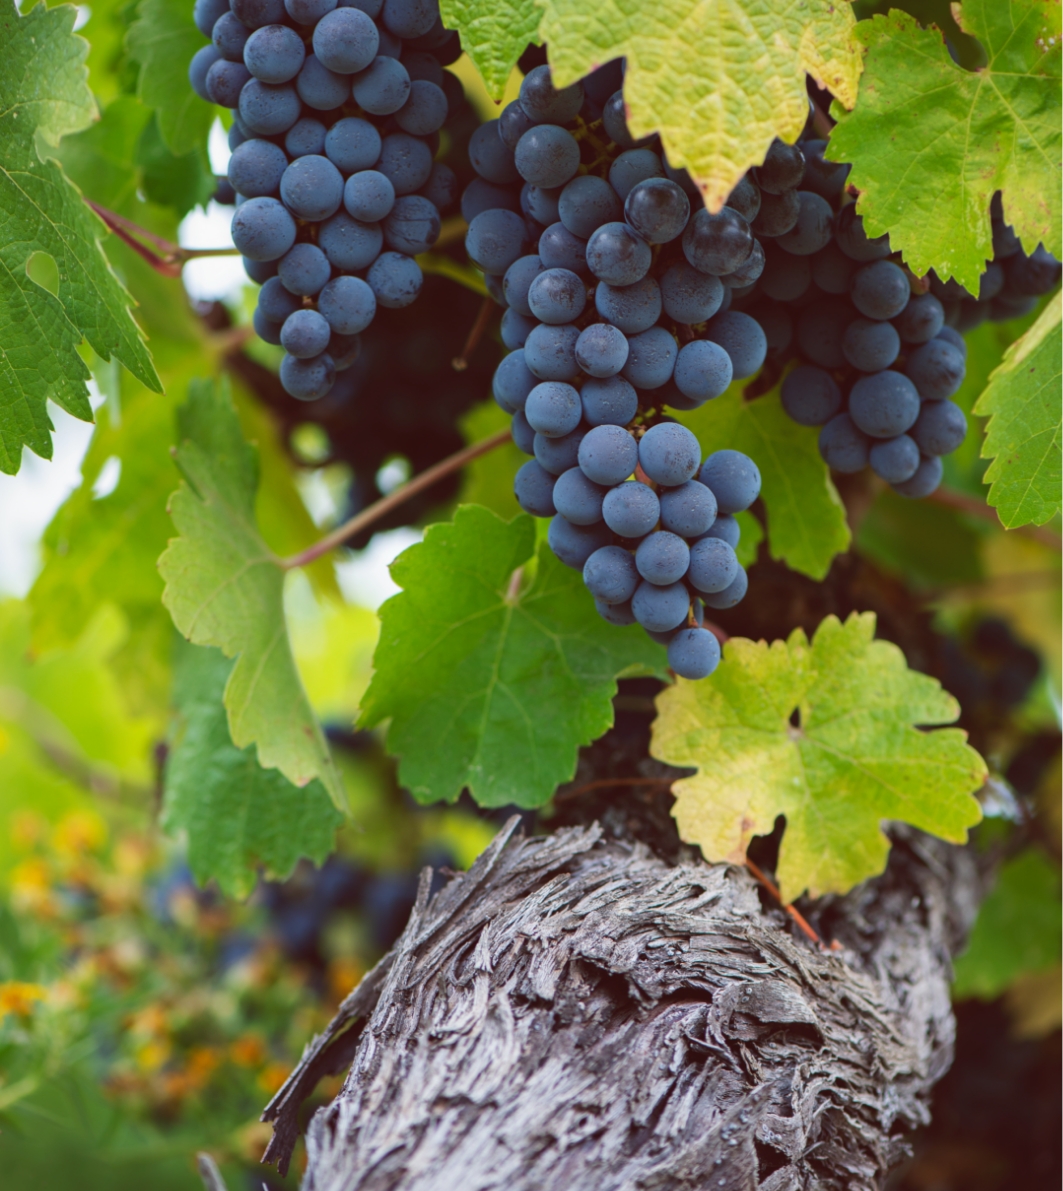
{"x": 978, "y": 508}
{"x": 382, "y": 507}
{"x": 476, "y": 333}
{"x": 169, "y": 258}
{"x": 795, "y": 914}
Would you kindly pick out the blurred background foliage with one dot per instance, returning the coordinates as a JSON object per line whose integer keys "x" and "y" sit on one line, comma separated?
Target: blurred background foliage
{"x": 143, "y": 1017}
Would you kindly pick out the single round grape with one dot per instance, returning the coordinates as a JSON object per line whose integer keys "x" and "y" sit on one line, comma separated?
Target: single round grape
{"x": 574, "y": 544}
{"x": 390, "y": 45}
{"x": 660, "y": 609}
{"x": 662, "y": 558}
{"x": 518, "y": 279}
{"x": 346, "y": 40}
{"x": 515, "y": 329}
{"x": 608, "y": 402}
{"x": 553, "y": 408}
{"x": 617, "y": 614}
{"x": 951, "y": 335}
{"x": 925, "y": 480}
{"x": 870, "y": 346}
{"x": 395, "y": 280}
{"x": 578, "y": 499}
{"x": 305, "y": 334}
{"x": 259, "y": 271}
{"x": 880, "y": 290}
{"x": 693, "y": 653}
{"x": 262, "y": 229}
{"x": 275, "y": 53}
{"x": 534, "y": 489}
{"x": 543, "y": 103}
{"x": 230, "y": 36}
{"x": 820, "y": 329}
{"x": 601, "y": 350}
{"x": 513, "y": 123}
{"x": 631, "y": 308}
{"x": 560, "y": 249}
{"x": 305, "y": 137}
{"x": 586, "y": 203}
{"x": 851, "y": 238}
{"x": 369, "y": 197}
{"x": 782, "y": 169}
{"x": 320, "y": 88}
{"x": 810, "y": 396}
{"x": 777, "y": 214}
{"x": 688, "y": 510}
{"x": 921, "y": 319}
{"x": 275, "y": 302}
{"x": 523, "y": 435}
{"x": 512, "y": 382}
{"x": 352, "y": 145}
{"x": 631, "y": 168}
{"x": 256, "y": 168}
{"x": 410, "y": 18}
{"x": 726, "y": 528}
{"x": 813, "y": 227}
{"x": 730, "y": 596}
{"x": 557, "y": 455}
{"x": 884, "y": 404}
{"x": 265, "y": 328}
{"x": 224, "y": 82}
{"x": 608, "y": 454}
{"x": 832, "y": 270}
{"x": 719, "y": 243}
{"x": 614, "y": 120}
{"x": 610, "y": 575}
{"x": 617, "y": 256}
{"x": 657, "y": 209}
{"x": 541, "y": 203}
{"x": 424, "y": 111}
{"x": 490, "y": 157}
{"x": 826, "y": 178}
{"x": 406, "y": 160}
{"x": 669, "y": 454}
{"x": 308, "y": 380}
{"x": 495, "y": 240}
{"x": 413, "y": 225}
{"x": 256, "y": 13}
{"x": 651, "y": 358}
{"x": 304, "y": 269}
{"x": 748, "y": 272}
{"x": 383, "y": 87}
{"x": 312, "y": 188}
{"x": 894, "y": 459}
{"x": 734, "y": 479}
{"x": 689, "y": 296}
{"x": 786, "y": 277}
{"x": 199, "y": 68}
{"x": 349, "y": 244}
{"x": 745, "y": 199}
{"x": 207, "y": 13}
{"x": 742, "y": 339}
{"x": 308, "y": 12}
{"x": 557, "y": 296}
{"x": 631, "y": 509}
{"x": 441, "y": 189}
{"x": 550, "y": 352}
{"x": 843, "y": 446}
{"x": 348, "y": 303}
{"x": 1032, "y": 275}
{"x": 547, "y": 155}
{"x": 940, "y": 427}
{"x": 480, "y": 196}
{"x": 937, "y": 369}
{"x": 703, "y": 370}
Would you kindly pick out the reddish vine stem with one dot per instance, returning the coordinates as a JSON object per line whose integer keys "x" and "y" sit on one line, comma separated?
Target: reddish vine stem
{"x": 382, "y": 507}
{"x": 978, "y": 508}
{"x": 170, "y": 257}
{"x": 795, "y": 914}
{"x": 602, "y": 782}
{"x": 476, "y": 333}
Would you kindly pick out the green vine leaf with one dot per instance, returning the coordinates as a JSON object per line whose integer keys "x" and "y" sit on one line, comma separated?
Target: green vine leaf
{"x": 237, "y": 815}
{"x": 493, "y": 668}
{"x": 494, "y": 34}
{"x": 1023, "y": 435}
{"x": 806, "y": 518}
{"x": 44, "y": 96}
{"x": 163, "y": 40}
{"x": 852, "y": 761}
{"x": 224, "y": 587}
{"x": 930, "y": 142}
{"x": 717, "y": 81}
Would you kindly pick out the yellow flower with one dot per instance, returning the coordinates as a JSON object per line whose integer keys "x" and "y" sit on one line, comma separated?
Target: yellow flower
{"x": 19, "y": 997}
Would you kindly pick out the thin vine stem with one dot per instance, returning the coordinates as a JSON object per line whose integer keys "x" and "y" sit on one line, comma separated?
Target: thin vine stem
{"x": 169, "y": 258}
{"x": 799, "y": 918}
{"x": 393, "y": 500}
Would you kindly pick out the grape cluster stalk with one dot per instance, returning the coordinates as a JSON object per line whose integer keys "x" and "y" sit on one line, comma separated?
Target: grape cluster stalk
{"x": 337, "y": 109}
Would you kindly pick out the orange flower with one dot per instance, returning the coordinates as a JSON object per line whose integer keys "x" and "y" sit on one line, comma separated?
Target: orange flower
{"x": 248, "y": 1051}
{"x": 19, "y": 997}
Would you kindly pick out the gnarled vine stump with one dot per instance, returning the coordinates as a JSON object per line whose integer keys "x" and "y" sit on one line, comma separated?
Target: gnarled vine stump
{"x": 574, "y": 1013}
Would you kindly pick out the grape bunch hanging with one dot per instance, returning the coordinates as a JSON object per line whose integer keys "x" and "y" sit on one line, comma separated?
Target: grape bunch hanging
{"x": 336, "y": 119}
{"x": 604, "y": 271}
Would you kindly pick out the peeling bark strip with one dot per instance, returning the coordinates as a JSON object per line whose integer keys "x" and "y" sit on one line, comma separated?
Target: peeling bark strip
{"x": 573, "y": 1013}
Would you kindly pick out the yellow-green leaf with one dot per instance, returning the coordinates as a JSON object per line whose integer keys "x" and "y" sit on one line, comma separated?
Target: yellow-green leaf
{"x": 494, "y": 33}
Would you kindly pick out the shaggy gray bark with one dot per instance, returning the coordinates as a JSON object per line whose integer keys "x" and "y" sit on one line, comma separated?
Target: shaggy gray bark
{"x": 575, "y": 1013}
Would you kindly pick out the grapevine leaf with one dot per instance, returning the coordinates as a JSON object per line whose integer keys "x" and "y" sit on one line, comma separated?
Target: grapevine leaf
{"x": 494, "y": 34}
{"x": 224, "y": 587}
{"x": 163, "y": 40}
{"x": 1017, "y": 929}
{"x": 930, "y": 142}
{"x": 1023, "y": 436}
{"x": 493, "y": 678}
{"x": 852, "y": 761}
{"x": 237, "y": 814}
{"x": 43, "y": 96}
{"x": 717, "y": 80}
{"x": 806, "y": 518}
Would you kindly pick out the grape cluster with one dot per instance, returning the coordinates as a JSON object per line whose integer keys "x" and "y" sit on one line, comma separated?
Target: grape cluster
{"x": 337, "y": 107}
{"x": 616, "y": 287}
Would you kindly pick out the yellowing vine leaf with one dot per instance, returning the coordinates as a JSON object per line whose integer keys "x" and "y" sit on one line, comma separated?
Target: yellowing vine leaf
{"x": 718, "y": 79}
{"x": 852, "y": 761}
